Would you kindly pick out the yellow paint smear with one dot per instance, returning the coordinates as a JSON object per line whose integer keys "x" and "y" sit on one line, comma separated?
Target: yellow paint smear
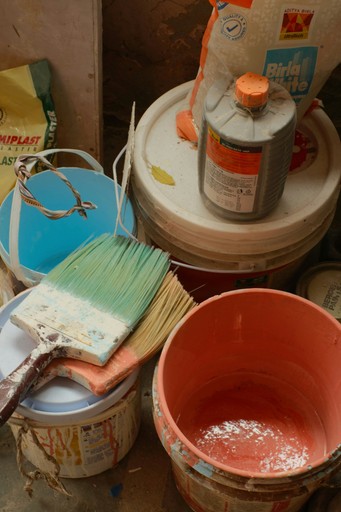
{"x": 162, "y": 176}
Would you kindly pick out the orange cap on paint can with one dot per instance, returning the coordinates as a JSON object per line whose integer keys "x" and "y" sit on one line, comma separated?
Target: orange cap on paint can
{"x": 252, "y": 90}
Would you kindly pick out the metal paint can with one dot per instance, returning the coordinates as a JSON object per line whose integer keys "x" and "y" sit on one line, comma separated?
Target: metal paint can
{"x": 322, "y": 285}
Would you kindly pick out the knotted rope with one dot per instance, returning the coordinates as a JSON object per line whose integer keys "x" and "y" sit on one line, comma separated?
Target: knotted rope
{"x": 50, "y": 477}
{"x": 23, "y": 174}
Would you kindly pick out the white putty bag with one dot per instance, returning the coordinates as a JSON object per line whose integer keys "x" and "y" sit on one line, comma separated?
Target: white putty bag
{"x": 296, "y": 44}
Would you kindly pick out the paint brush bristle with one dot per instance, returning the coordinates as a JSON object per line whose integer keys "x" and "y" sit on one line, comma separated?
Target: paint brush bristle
{"x": 95, "y": 297}
{"x": 118, "y": 275}
{"x": 170, "y": 304}
{"x": 168, "y": 307}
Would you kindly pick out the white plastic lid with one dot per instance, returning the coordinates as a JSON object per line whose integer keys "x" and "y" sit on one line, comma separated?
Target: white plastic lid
{"x": 60, "y": 401}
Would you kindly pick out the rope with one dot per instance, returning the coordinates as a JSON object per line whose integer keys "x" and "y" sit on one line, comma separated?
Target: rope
{"x": 24, "y": 174}
{"x": 50, "y": 477}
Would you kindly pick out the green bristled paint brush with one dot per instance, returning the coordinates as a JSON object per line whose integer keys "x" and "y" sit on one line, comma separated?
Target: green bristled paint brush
{"x": 84, "y": 308}
{"x": 169, "y": 305}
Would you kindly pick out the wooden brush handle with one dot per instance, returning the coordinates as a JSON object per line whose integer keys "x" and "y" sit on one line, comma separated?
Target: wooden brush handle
{"x": 15, "y": 386}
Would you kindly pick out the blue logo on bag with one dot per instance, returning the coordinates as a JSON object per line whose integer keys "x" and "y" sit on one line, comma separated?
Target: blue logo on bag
{"x": 221, "y": 5}
{"x": 293, "y": 68}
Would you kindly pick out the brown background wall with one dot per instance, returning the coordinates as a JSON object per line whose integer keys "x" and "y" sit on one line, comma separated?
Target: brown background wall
{"x": 149, "y": 47}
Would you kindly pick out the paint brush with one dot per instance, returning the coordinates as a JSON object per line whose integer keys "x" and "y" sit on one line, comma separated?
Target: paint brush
{"x": 84, "y": 308}
{"x": 169, "y": 305}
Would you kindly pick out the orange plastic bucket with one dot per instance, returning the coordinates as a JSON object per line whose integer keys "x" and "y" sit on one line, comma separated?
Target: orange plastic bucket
{"x": 247, "y": 401}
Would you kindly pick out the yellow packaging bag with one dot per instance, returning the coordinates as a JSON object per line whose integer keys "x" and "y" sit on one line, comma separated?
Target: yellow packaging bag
{"x": 27, "y": 117}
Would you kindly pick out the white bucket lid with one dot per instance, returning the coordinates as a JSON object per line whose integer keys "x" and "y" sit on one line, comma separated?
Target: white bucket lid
{"x": 61, "y": 401}
{"x": 177, "y": 213}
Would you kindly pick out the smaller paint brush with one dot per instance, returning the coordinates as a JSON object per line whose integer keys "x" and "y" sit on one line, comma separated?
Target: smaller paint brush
{"x": 84, "y": 308}
{"x": 170, "y": 304}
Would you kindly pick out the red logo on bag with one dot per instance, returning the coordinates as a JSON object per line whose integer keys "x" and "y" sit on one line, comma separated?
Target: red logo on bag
{"x": 296, "y": 24}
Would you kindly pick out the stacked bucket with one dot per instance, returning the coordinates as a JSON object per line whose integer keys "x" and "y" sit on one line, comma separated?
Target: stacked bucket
{"x": 244, "y": 364}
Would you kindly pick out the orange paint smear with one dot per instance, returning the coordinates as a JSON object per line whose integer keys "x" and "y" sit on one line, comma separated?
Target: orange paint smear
{"x": 99, "y": 379}
{"x": 108, "y": 433}
{"x": 242, "y": 3}
{"x": 184, "y": 120}
{"x": 257, "y": 426}
{"x": 203, "y": 54}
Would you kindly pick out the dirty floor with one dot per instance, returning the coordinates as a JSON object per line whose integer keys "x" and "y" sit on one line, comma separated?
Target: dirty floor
{"x": 141, "y": 482}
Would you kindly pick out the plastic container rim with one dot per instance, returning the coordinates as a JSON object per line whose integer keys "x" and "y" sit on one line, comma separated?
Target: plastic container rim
{"x": 190, "y": 446}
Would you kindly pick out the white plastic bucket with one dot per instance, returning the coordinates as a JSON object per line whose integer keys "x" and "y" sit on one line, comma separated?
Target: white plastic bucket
{"x": 223, "y": 255}
{"x": 81, "y": 433}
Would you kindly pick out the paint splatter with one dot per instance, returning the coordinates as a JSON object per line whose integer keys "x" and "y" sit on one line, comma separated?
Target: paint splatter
{"x": 116, "y": 490}
{"x": 244, "y": 439}
{"x": 162, "y": 176}
{"x": 254, "y": 426}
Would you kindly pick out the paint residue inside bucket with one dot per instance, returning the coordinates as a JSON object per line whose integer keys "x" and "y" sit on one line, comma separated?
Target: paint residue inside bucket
{"x": 253, "y": 423}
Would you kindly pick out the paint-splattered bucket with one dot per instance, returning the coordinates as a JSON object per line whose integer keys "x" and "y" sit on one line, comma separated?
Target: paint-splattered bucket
{"x": 247, "y": 401}
{"x": 62, "y": 424}
{"x": 87, "y": 446}
{"x": 220, "y": 255}
{"x": 40, "y": 242}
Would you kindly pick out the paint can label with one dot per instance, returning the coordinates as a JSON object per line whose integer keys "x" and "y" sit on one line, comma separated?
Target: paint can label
{"x": 322, "y": 285}
{"x": 89, "y": 448}
{"x": 231, "y": 173}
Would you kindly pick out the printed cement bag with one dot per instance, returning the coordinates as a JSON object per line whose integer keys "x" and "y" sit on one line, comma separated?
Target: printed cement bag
{"x": 27, "y": 117}
{"x": 296, "y": 44}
